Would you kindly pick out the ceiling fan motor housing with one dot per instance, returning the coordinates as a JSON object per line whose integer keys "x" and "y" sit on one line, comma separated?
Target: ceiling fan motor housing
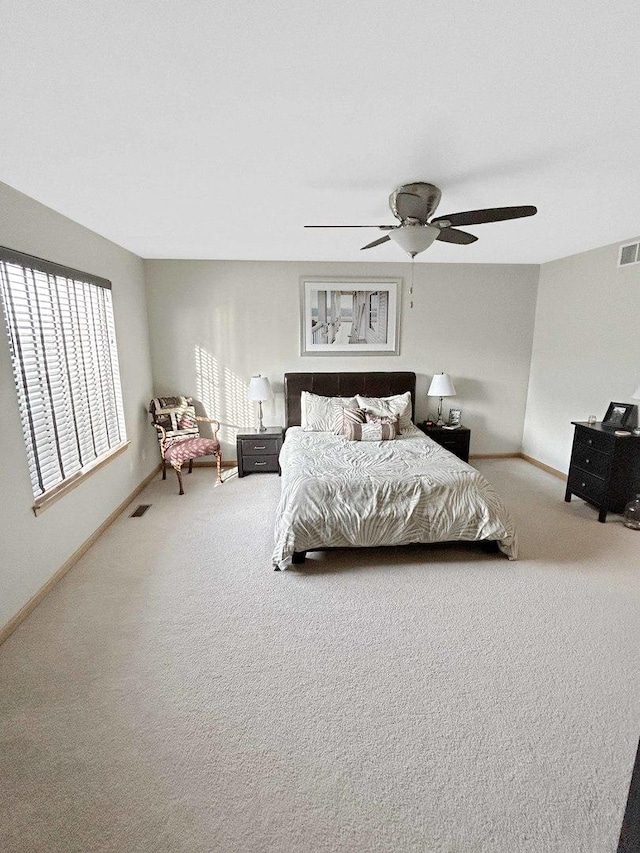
{"x": 414, "y": 202}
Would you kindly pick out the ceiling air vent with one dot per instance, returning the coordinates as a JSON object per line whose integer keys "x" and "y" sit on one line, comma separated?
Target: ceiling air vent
{"x": 629, "y": 254}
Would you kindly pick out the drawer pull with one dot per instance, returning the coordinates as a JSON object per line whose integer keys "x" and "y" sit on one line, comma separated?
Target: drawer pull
{"x": 590, "y": 441}
{"x": 259, "y": 447}
{"x": 586, "y": 461}
{"x": 583, "y": 485}
{"x": 264, "y": 463}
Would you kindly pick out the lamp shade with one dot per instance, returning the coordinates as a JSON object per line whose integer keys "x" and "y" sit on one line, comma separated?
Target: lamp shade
{"x": 441, "y": 386}
{"x": 414, "y": 238}
{"x": 259, "y": 388}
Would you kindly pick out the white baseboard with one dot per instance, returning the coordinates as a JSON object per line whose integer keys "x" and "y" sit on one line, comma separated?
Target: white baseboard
{"x": 547, "y": 468}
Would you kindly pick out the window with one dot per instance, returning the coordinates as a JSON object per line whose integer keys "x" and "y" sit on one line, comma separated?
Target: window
{"x": 65, "y": 364}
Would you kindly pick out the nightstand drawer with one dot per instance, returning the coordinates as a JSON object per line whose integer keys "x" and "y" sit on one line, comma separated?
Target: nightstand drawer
{"x": 454, "y": 443}
{"x": 260, "y": 447}
{"x": 590, "y": 460}
{"x": 586, "y": 485}
{"x": 592, "y": 438}
{"x": 260, "y": 463}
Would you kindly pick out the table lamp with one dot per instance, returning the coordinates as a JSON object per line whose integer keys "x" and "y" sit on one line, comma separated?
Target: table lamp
{"x": 441, "y": 386}
{"x": 259, "y": 390}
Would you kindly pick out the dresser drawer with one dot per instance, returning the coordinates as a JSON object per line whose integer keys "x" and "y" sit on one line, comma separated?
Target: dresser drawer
{"x": 260, "y": 463}
{"x": 590, "y": 460}
{"x": 585, "y": 485}
{"x": 592, "y": 438}
{"x": 260, "y": 447}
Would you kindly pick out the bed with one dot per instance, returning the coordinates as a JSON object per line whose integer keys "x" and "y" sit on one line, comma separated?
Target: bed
{"x": 338, "y": 493}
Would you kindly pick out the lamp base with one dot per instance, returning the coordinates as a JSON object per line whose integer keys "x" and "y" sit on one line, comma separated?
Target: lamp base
{"x": 261, "y": 426}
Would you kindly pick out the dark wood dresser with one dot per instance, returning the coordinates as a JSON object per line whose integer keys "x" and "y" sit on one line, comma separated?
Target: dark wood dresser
{"x": 605, "y": 468}
{"x": 258, "y": 451}
{"x": 456, "y": 440}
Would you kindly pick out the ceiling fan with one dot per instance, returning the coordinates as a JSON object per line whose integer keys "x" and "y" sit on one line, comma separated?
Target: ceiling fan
{"x": 414, "y": 203}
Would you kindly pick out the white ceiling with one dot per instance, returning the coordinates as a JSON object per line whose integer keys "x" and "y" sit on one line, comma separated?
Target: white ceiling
{"x": 217, "y": 128}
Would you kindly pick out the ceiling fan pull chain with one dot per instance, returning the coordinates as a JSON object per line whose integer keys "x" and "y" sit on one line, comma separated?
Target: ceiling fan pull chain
{"x": 413, "y": 266}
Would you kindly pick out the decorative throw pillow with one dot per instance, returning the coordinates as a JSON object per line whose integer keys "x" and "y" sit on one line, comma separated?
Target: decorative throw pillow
{"x": 175, "y": 415}
{"x": 350, "y": 416}
{"x": 369, "y": 431}
{"x": 322, "y": 414}
{"x": 397, "y": 406}
{"x": 379, "y": 419}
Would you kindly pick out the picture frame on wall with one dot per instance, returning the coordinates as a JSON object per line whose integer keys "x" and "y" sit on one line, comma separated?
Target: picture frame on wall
{"x": 350, "y": 316}
{"x": 618, "y": 415}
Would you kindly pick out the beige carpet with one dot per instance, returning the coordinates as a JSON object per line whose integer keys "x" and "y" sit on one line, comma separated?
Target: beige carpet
{"x": 173, "y": 693}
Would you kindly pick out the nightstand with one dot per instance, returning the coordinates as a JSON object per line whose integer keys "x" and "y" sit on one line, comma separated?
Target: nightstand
{"x": 456, "y": 440}
{"x": 604, "y": 468}
{"x": 258, "y": 451}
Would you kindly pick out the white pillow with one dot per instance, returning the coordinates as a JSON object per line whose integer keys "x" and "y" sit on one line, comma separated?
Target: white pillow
{"x": 322, "y": 414}
{"x": 397, "y": 406}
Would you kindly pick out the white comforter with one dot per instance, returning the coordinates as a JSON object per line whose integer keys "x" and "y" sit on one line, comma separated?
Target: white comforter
{"x": 339, "y": 493}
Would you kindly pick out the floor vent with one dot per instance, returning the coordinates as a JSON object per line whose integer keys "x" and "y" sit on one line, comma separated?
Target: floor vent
{"x": 140, "y": 510}
{"x": 629, "y": 254}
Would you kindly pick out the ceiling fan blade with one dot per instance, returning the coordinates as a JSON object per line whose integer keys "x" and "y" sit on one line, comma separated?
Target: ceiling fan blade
{"x": 452, "y": 235}
{"x": 381, "y": 227}
{"x": 376, "y": 242}
{"x": 490, "y": 214}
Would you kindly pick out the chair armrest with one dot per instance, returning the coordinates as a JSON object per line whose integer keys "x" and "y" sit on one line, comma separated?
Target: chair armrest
{"x": 209, "y": 421}
{"x": 162, "y": 437}
{"x": 212, "y": 421}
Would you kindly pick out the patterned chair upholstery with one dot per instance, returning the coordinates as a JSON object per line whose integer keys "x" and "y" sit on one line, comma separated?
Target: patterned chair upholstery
{"x": 176, "y": 424}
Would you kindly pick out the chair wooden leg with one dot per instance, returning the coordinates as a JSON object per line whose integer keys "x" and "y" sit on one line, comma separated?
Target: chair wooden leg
{"x": 219, "y": 463}
{"x": 164, "y": 468}
{"x": 190, "y": 466}
{"x": 179, "y": 474}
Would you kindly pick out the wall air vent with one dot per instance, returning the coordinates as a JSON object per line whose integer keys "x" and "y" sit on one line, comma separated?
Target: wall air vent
{"x": 629, "y": 254}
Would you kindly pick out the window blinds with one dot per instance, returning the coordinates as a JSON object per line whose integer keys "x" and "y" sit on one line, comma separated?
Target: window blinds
{"x": 65, "y": 363}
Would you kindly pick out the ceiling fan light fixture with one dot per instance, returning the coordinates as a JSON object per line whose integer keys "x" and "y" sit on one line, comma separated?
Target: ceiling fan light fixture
{"x": 414, "y": 238}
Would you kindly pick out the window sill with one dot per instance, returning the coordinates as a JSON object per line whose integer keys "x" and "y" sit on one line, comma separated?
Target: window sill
{"x": 59, "y": 491}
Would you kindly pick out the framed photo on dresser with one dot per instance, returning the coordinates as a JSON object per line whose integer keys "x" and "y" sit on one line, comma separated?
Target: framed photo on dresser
{"x": 617, "y": 415}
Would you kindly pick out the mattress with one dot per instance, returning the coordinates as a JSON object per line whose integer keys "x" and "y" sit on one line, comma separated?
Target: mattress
{"x": 338, "y": 493}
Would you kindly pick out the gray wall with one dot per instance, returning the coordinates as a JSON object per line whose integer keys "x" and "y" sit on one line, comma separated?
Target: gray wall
{"x": 585, "y": 348}
{"x": 34, "y": 548}
{"x": 215, "y": 323}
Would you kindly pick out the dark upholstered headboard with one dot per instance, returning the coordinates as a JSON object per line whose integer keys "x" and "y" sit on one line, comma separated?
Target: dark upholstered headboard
{"x": 344, "y": 385}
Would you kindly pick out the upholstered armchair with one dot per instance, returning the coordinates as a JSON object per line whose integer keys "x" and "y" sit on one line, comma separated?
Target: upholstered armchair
{"x": 176, "y": 424}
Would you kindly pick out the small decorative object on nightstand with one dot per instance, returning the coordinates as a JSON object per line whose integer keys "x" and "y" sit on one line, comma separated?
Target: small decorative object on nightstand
{"x": 258, "y": 451}
{"x": 636, "y": 396}
{"x": 455, "y": 440}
